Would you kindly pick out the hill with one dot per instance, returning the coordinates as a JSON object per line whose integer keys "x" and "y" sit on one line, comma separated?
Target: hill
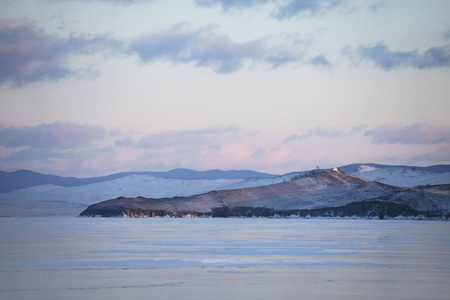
{"x": 323, "y": 193}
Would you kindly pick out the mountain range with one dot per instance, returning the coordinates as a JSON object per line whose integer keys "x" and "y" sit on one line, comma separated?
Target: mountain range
{"x": 26, "y": 193}
{"x": 11, "y": 181}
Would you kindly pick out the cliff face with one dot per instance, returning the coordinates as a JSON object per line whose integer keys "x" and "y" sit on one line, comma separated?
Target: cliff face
{"x": 320, "y": 194}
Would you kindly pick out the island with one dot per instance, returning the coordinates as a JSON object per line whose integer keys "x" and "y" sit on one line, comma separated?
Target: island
{"x": 314, "y": 194}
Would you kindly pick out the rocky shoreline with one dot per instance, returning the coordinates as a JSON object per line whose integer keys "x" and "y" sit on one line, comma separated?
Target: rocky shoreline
{"x": 364, "y": 209}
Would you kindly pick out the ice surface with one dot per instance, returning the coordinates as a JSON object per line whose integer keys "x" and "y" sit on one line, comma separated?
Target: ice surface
{"x": 163, "y": 258}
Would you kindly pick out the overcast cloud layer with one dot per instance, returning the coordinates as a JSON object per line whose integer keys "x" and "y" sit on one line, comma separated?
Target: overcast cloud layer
{"x": 28, "y": 54}
{"x": 93, "y": 87}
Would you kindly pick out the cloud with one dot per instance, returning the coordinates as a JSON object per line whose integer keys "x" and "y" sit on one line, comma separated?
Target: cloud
{"x": 325, "y": 132}
{"x": 31, "y": 55}
{"x": 447, "y": 35}
{"x": 124, "y": 2}
{"x": 320, "y": 61}
{"x": 441, "y": 155}
{"x": 421, "y": 133}
{"x": 31, "y": 154}
{"x": 200, "y": 47}
{"x": 58, "y": 135}
{"x": 287, "y": 10}
{"x": 206, "y": 148}
{"x": 357, "y": 129}
{"x": 206, "y": 137}
{"x": 59, "y": 146}
{"x": 388, "y": 60}
{"x": 295, "y": 7}
{"x": 228, "y": 4}
{"x": 204, "y": 48}
{"x": 376, "y": 6}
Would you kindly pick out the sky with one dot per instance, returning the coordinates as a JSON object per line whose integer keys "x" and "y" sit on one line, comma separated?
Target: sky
{"x": 94, "y": 87}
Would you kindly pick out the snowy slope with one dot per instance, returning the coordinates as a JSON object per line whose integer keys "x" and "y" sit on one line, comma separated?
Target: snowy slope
{"x": 56, "y": 200}
{"x": 405, "y": 177}
{"x": 254, "y": 182}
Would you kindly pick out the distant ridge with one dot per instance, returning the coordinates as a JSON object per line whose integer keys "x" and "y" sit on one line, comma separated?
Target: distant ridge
{"x": 353, "y": 168}
{"x": 188, "y": 174}
{"x": 11, "y": 181}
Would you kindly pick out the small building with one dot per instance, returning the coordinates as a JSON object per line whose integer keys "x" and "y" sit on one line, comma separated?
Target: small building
{"x": 336, "y": 170}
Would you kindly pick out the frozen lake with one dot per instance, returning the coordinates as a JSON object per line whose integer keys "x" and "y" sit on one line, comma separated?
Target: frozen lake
{"x": 100, "y": 258}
